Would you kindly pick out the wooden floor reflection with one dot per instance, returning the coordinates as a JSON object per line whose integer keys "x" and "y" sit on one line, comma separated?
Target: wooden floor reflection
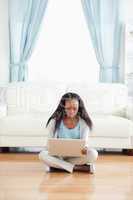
{"x": 22, "y": 177}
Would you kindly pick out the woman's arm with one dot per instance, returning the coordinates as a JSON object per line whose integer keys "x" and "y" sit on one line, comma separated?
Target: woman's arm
{"x": 85, "y": 135}
{"x": 50, "y": 128}
{"x": 85, "y": 131}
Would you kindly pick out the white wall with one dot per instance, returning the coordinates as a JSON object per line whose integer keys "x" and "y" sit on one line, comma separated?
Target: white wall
{"x": 4, "y": 42}
{"x": 64, "y": 51}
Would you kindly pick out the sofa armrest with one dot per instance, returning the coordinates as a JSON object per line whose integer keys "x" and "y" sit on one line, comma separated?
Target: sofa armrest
{"x": 129, "y": 110}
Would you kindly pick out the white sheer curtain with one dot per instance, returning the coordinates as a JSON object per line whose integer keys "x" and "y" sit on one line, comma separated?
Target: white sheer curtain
{"x": 105, "y": 24}
{"x": 25, "y": 19}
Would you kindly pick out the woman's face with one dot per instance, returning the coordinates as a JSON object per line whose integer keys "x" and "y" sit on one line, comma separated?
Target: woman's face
{"x": 71, "y": 107}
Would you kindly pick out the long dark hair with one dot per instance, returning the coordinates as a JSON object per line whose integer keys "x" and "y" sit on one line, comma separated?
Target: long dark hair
{"x": 60, "y": 110}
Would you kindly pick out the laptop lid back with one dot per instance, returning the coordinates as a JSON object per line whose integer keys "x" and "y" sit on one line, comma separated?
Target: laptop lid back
{"x": 65, "y": 147}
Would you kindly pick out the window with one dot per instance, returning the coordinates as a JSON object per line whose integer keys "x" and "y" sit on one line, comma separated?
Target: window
{"x": 64, "y": 50}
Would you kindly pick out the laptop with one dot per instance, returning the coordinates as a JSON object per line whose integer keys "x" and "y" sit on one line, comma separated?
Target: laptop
{"x": 65, "y": 147}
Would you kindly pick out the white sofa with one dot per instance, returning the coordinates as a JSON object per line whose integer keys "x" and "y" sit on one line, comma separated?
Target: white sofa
{"x": 29, "y": 105}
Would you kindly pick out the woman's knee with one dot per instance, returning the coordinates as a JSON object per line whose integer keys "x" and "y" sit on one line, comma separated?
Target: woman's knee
{"x": 92, "y": 155}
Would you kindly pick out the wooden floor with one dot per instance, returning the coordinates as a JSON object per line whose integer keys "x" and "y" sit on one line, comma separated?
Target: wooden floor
{"x": 22, "y": 177}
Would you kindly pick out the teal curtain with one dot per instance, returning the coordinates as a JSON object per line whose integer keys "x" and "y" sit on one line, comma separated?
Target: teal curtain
{"x": 104, "y": 20}
{"x": 25, "y": 18}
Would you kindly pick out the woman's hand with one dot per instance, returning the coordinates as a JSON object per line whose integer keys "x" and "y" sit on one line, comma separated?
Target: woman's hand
{"x": 84, "y": 151}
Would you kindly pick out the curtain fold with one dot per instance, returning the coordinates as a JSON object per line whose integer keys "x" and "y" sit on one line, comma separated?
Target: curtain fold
{"x": 104, "y": 21}
{"x": 25, "y": 19}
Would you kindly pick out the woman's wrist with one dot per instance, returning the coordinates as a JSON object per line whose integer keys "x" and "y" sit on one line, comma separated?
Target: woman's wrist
{"x": 84, "y": 150}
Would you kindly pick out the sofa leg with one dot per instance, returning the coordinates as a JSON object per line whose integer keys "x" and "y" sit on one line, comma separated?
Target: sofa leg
{"x": 128, "y": 152}
{"x": 5, "y": 149}
{"x": 124, "y": 151}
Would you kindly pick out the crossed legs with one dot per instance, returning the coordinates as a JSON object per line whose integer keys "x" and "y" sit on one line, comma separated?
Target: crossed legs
{"x": 68, "y": 163}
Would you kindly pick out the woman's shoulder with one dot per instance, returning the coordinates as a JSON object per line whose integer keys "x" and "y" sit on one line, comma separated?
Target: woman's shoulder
{"x": 83, "y": 123}
{"x": 50, "y": 128}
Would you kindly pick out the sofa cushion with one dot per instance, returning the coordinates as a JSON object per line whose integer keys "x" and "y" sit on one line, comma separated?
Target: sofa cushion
{"x": 101, "y": 98}
{"x": 22, "y": 125}
{"x": 111, "y": 126}
{"x": 34, "y": 125}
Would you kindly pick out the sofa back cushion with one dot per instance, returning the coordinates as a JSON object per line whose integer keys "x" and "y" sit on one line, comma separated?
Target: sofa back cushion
{"x": 33, "y": 97}
{"x": 45, "y": 97}
{"x": 102, "y": 98}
